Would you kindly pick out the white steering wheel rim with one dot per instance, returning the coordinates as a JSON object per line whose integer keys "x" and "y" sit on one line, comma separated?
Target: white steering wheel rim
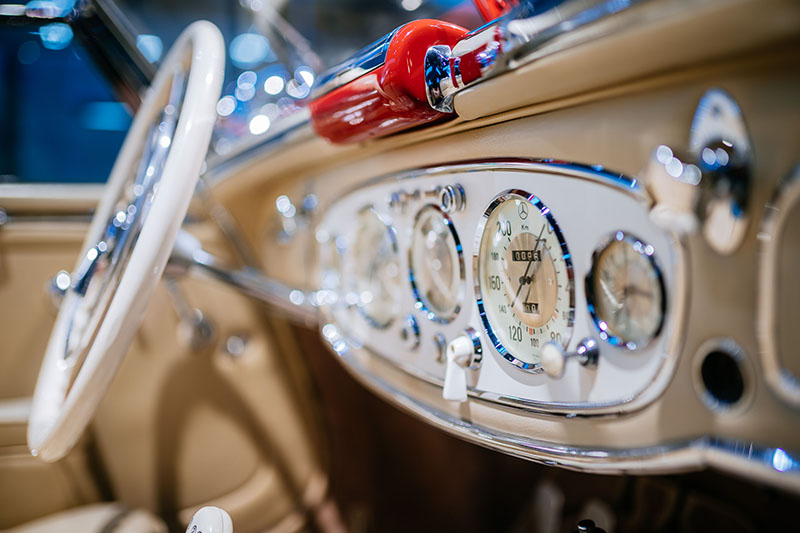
{"x": 61, "y": 412}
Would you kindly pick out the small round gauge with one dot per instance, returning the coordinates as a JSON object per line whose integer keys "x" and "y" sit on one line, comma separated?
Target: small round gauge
{"x": 625, "y": 292}
{"x": 523, "y": 279}
{"x": 373, "y": 266}
{"x": 436, "y": 265}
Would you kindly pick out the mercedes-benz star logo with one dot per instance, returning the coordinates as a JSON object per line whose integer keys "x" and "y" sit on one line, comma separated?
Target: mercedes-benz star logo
{"x": 523, "y": 210}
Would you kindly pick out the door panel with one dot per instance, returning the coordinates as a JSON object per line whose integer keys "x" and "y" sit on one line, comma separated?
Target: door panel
{"x": 227, "y": 423}
{"x": 32, "y": 250}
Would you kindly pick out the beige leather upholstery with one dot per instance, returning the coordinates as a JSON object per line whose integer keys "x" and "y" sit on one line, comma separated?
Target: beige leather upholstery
{"x": 99, "y": 517}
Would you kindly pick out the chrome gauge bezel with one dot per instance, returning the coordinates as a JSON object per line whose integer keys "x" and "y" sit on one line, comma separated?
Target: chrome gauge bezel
{"x": 785, "y": 383}
{"x": 421, "y": 304}
{"x": 536, "y": 202}
{"x": 639, "y": 246}
{"x": 392, "y": 232}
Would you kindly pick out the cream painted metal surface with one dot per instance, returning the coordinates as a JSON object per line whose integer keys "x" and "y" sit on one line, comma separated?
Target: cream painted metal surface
{"x": 614, "y": 114}
{"x": 62, "y": 407}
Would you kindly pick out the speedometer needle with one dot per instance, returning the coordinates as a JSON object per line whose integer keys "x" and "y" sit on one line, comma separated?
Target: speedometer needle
{"x": 525, "y": 280}
{"x": 634, "y": 290}
{"x": 610, "y": 295}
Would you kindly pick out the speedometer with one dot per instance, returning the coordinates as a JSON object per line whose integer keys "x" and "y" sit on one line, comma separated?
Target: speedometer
{"x": 524, "y": 279}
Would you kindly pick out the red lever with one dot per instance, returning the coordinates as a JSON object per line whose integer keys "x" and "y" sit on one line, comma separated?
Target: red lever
{"x": 491, "y": 9}
{"x": 391, "y": 96}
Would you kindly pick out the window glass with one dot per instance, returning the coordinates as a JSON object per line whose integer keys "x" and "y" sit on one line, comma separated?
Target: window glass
{"x": 277, "y": 48}
{"x": 59, "y": 121}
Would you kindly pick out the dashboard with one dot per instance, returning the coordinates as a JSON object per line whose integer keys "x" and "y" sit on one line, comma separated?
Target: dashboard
{"x": 523, "y": 260}
{"x": 592, "y": 271}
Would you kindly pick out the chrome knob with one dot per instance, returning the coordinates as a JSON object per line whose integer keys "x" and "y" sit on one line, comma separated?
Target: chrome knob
{"x": 452, "y": 198}
{"x": 463, "y": 353}
{"x": 554, "y": 358}
{"x": 409, "y": 334}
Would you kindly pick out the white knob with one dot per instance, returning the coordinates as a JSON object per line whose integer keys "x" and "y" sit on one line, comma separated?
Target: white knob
{"x": 210, "y": 520}
{"x": 553, "y": 359}
{"x": 459, "y": 353}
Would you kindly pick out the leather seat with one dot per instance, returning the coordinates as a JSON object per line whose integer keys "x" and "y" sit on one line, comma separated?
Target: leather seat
{"x": 95, "y": 518}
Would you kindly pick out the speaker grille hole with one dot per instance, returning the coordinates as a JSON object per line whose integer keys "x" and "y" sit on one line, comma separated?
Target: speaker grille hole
{"x": 722, "y": 378}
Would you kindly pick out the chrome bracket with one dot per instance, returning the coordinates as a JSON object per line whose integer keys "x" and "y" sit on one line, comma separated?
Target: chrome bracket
{"x": 440, "y": 83}
{"x": 719, "y": 140}
{"x": 707, "y": 188}
{"x": 188, "y": 255}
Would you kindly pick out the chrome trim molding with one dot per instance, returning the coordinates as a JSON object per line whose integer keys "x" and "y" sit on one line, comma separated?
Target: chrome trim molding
{"x": 365, "y": 60}
{"x": 294, "y": 128}
{"x": 771, "y": 464}
{"x": 786, "y": 197}
{"x": 594, "y": 173}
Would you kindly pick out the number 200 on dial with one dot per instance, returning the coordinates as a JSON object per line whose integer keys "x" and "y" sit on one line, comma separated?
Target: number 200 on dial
{"x": 525, "y": 281}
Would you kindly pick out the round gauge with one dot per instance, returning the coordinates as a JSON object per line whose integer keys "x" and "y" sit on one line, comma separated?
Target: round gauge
{"x": 436, "y": 265}
{"x": 374, "y": 270}
{"x": 523, "y": 278}
{"x": 625, "y": 292}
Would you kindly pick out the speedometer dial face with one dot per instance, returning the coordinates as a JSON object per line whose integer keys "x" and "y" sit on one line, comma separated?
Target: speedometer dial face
{"x": 524, "y": 280}
{"x": 374, "y": 270}
{"x": 625, "y": 292}
{"x": 437, "y": 266}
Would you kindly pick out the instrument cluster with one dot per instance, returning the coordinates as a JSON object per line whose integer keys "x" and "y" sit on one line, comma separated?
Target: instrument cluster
{"x": 488, "y": 279}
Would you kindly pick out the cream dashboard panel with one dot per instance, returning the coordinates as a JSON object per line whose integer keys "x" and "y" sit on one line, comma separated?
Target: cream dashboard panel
{"x": 667, "y": 424}
{"x": 587, "y": 208}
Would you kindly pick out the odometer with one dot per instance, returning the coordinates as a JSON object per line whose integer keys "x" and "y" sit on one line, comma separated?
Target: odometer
{"x": 524, "y": 278}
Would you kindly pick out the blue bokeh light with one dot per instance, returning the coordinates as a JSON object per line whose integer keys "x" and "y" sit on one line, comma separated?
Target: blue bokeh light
{"x": 55, "y": 36}
{"x": 150, "y": 46}
{"x": 249, "y": 49}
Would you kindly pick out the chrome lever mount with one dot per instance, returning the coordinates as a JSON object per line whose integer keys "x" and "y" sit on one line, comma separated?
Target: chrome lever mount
{"x": 706, "y": 188}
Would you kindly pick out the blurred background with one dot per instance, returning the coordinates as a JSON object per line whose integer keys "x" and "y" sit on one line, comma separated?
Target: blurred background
{"x": 60, "y": 121}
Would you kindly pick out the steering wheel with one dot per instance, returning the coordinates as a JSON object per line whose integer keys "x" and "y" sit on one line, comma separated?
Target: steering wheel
{"x": 129, "y": 240}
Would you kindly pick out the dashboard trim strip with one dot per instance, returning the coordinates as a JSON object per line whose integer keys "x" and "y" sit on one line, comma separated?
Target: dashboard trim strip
{"x": 595, "y": 173}
{"x": 772, "y": 464}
